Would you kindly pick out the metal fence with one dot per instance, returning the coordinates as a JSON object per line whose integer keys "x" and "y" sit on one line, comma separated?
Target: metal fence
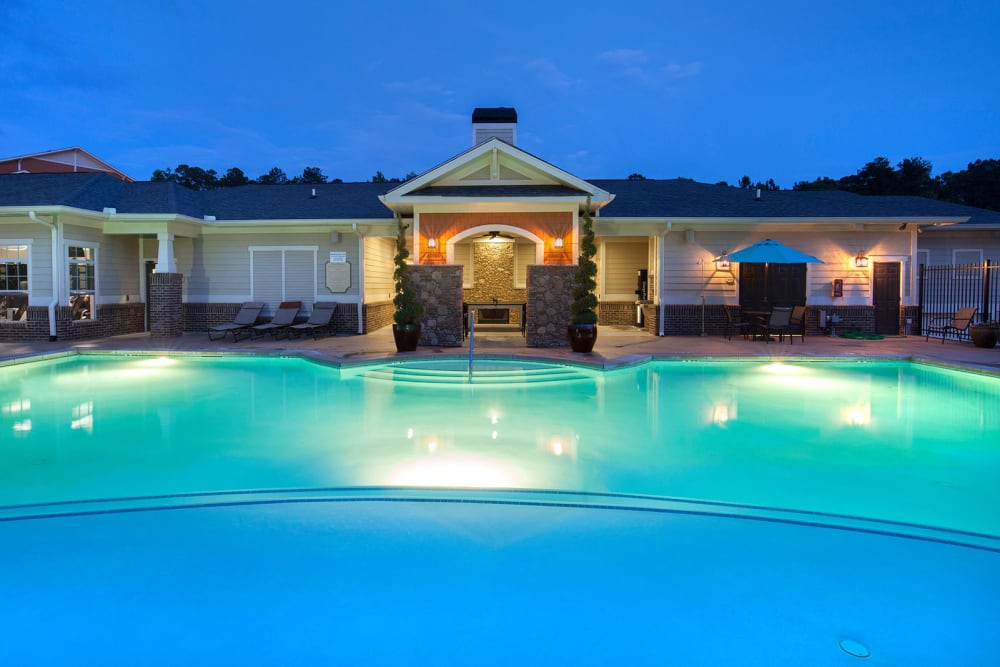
{"x": 945, "y": 289}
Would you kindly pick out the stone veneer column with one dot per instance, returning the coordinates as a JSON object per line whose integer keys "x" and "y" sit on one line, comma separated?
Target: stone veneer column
{"x": 550, "y": 292}
{"x": 165, "y": 307}
{"x": 439, "y": 288}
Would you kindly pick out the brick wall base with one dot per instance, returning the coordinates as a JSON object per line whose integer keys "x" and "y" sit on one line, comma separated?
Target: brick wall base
{"x": 166, "y": 308}
{"x": 113, "y": 319}
{"x": 378, "y": 315}
{"x": 198, "y": 317}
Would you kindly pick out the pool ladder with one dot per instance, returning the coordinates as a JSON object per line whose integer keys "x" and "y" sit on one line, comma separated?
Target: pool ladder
{"x": 472, "y": 339}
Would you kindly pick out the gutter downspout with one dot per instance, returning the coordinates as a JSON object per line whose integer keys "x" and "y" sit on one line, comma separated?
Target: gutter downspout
{"x": 361, "y": 277}
{"x": 55, "y": 270}
{"x": 660, "y": 279}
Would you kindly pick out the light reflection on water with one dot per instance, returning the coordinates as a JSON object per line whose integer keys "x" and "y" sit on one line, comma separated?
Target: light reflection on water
{"x": 886, "y": 440}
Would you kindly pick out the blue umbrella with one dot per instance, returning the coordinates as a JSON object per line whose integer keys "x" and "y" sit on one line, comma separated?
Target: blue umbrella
{"x": 769, "y": 251}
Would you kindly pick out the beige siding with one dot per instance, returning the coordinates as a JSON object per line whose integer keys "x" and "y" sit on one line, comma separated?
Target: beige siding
{"x": 379, "y": 285}
{"x": 690, "y": 273}
{"x": 119, "y": 269}
{"x": 217, "y": 266}
{"x": 40, "y": 278}
{"x": 621, "y": 259}
{"x": 946, "y": 247}
{"x": 463, "y": 258}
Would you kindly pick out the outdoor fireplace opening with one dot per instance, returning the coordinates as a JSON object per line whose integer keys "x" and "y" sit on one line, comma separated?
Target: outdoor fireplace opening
{"x": 493, "y": 315}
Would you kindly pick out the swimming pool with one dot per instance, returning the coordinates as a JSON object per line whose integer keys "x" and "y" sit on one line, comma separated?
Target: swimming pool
{"x": 733, "y": 499}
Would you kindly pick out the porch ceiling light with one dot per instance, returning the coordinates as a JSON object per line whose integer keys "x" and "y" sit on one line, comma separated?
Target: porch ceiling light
{"x": 861, "y": 261}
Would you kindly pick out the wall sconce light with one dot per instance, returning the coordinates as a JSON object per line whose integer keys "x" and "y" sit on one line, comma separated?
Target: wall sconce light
{"x": 558, "y": 243}
{"x": 722, "y": 261}
{"x": 861, "y": 261}
{"x": 432, "y": 243}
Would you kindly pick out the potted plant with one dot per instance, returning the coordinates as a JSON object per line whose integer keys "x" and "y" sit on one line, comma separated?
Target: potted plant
{"x": 985, "y": 334}
{"x": 582, "y": 329}
{"x": 409, "y": 310}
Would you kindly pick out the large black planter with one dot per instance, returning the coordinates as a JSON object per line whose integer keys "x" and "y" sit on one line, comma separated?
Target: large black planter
{"x": 406, "y": 336}
{"x": 984, "y": 336}
{"x": 582, "y": 337}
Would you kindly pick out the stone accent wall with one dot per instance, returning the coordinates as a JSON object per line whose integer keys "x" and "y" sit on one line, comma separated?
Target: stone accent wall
{"x": 166, "y": 309}
{"x": 550, "y": 289}
{"x": 439, "y": 289}
{"x": 494, "y": 264}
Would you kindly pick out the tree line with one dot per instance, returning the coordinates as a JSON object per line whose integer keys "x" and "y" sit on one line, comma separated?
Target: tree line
{"x": 976, "y": 185}
{"x": 197, "y": 178}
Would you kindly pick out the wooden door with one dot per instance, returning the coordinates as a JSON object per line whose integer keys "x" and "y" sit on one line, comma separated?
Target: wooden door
{"x": 885, "y": 296}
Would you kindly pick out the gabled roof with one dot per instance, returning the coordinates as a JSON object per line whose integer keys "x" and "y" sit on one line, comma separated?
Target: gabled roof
{"x": 494, "y": 169}
{"x": 63, "y": 160}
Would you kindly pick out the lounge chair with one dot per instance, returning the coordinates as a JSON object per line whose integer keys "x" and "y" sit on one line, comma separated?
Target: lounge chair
{"x": 283, "y": 318}
{"x": 319, "y": 320}
{"x": 957, "y": 325}
{"x": 734, "y": 325}
{"x": 245, "y": 319}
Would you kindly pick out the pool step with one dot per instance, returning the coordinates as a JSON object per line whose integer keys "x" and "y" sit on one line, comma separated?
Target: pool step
{"x": 484, "y": 373}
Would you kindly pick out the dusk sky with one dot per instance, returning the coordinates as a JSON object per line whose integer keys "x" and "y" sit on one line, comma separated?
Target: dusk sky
{"x": 706, "y": 90}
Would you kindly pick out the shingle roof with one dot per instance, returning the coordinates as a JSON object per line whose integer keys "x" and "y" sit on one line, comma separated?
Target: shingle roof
{"x": 680, "y": 198}
{"x": 496, "y": 191}
{"x": 658, "y": 199}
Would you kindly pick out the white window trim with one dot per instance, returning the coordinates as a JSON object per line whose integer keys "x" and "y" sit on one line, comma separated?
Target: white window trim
{"x": 954, "y": 255}
{"x": 67, "y": 244}
{"x": 283, "y": 248}
{"x": 24, "y": 242}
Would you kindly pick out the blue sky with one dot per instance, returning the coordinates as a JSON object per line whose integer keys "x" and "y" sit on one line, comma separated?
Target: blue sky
{"x": 707, "y": 90}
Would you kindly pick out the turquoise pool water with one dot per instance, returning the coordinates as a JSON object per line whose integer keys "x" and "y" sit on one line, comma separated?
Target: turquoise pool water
{"x": 230, "y": 510}
{"x": 893, "y": 441}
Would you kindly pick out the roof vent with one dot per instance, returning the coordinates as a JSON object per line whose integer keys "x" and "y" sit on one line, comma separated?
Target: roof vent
{"x": 313, "y": 195}
{"x": 110, "y": 211}
{"x": 489, "y": 122}
{"x": 757, "y": 198}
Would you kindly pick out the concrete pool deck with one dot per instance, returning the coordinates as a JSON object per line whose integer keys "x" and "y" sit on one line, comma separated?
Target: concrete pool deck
{"x": 615, "y": 346}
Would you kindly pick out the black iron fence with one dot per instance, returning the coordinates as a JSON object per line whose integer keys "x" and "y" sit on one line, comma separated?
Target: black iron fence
{"x": 945, "y": 289}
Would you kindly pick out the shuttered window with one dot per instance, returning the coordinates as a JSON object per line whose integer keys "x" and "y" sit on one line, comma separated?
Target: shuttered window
{"x": 283, "y": 274}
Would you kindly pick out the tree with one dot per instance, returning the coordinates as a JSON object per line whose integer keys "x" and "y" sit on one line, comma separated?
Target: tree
{"x": 976, "y": 185}
{"x": 409, "y": 310}
{"x": 274, "y": 177}
{"x": 234, "y": 177}
{"x": 822, "y": 183}
{"x": 636, "y": 176}
{"x": 310, "y": 175}
{"x": 379, "y": 177}
{"x": 583, "y": 309}
{"x": 194, "y": 178}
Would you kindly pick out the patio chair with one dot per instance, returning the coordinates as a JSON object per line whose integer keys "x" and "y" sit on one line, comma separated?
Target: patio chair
{"x": 283, "y": 318}
{"x": 797, "y": 324}
{"x": 319, "y": 320}
{"x": 244, "y": 319}
{"x": 779, "y": 323}
{"x": 732, "y": 324}
{"x": 957, "y": 325}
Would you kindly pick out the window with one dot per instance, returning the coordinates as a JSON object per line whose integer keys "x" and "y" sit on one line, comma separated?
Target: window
{"x": 14, "y": 281}
{"x": 964, "y": 257}
{"x": 82, "y": 282}
{"x": 283, "y": 274}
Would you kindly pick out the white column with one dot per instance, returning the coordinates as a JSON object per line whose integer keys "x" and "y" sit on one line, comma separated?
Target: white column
{"x": 165, "y": 261}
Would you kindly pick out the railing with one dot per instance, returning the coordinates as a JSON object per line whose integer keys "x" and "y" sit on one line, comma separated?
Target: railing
{"x": 944, "y": 289}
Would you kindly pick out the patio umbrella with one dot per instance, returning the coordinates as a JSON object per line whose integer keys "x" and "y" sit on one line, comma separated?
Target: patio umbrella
{"x": 769, "y": 251}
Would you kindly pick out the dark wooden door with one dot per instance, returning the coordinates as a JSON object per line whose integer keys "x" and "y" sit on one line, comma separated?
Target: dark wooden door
{"x": 770, "y": 285}
{"x": 885, "y": 297}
